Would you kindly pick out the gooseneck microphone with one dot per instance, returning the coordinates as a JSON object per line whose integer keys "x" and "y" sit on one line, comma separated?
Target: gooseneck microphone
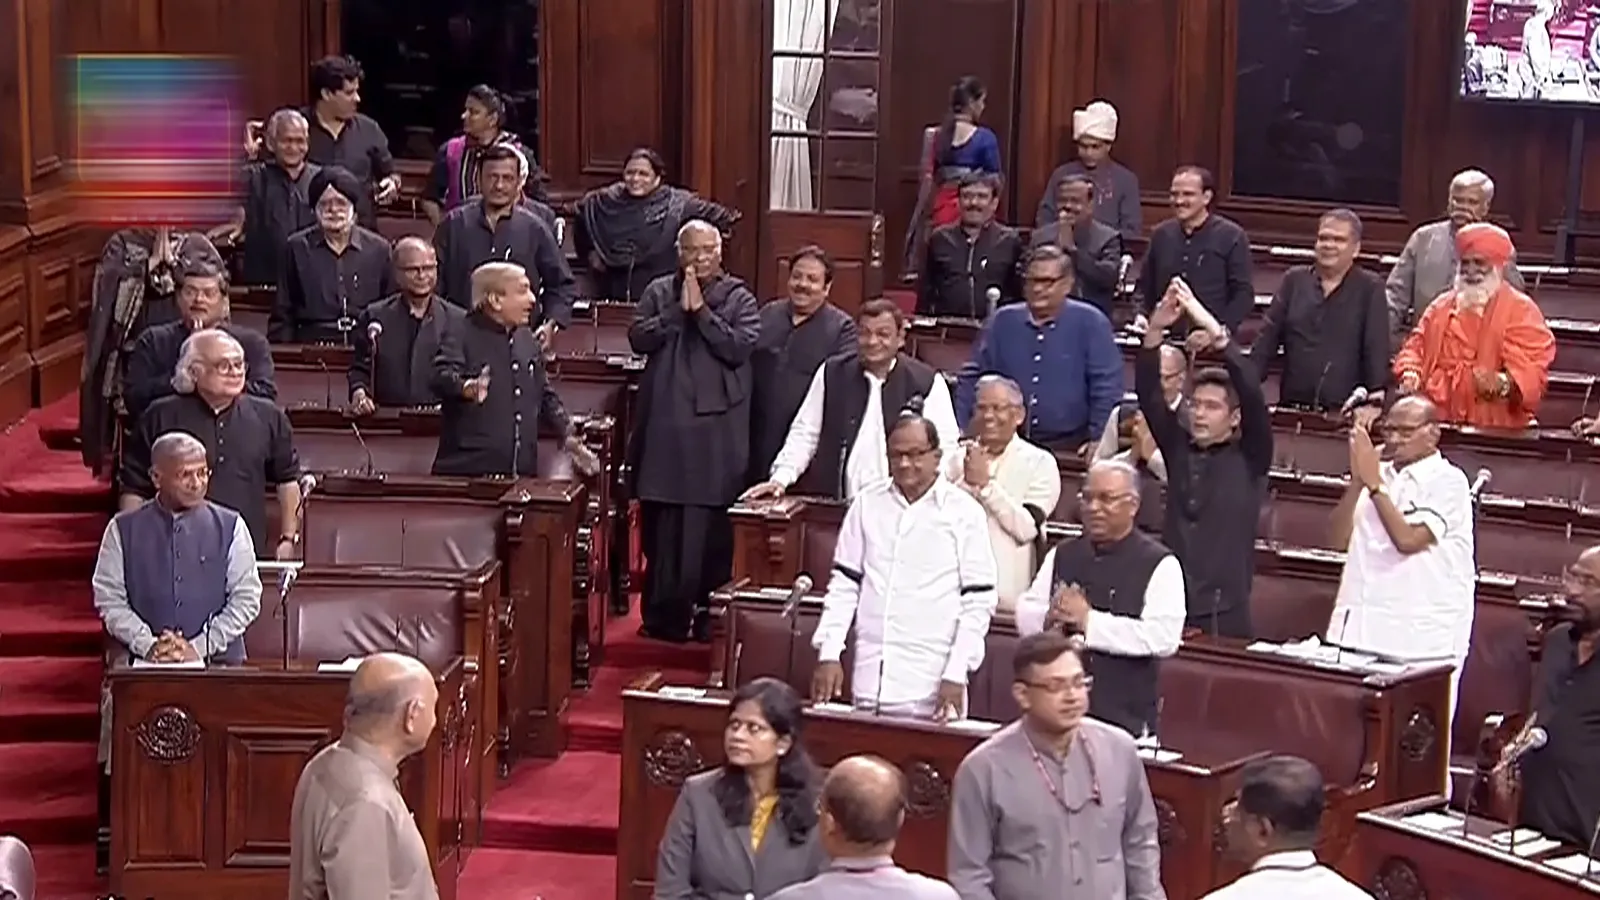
{"x": 1357, "y": 398}
{"x": 1316, "y": 398}
{"x": 1594, "y": 838}
{"x": 356, "y": 430}
{"x": 327, "y": 383}
{"x": 791, "y": 616}
{"x": 374, "y": 331}
{"x": 1479, "y": 482}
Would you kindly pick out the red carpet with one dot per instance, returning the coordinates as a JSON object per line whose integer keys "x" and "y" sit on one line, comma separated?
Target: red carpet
{"x": 551, "y": 829}
{"x": 51, "y": 518}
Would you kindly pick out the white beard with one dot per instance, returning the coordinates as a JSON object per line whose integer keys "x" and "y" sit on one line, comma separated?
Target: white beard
{"x": 336, "y": 222}
{"x": 1477, "y": 296}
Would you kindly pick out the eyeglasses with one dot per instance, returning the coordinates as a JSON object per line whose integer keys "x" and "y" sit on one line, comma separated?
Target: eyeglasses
{"x": 1061, "y": 685}
{"x": 228, "y": 366}
{"x": 1102, "y": 498}
{"x": 909, "y": 455}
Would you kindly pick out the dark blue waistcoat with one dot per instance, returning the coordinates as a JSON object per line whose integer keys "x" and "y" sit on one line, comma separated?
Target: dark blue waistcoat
{"x": 176, "y": 568}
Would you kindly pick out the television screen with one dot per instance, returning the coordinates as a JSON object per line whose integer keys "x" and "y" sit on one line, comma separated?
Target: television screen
{"x": 1532, "y": 51}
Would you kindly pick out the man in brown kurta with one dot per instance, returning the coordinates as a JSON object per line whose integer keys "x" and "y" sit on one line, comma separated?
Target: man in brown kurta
{"x": 351, "y": 835}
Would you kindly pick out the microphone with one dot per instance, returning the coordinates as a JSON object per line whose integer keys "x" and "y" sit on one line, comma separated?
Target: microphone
{"x": 307, "y": 484}
{"x": 993, "y": 296}
{"x": 327, "y": 382}
{"x": 1316, "y": 399}
{"x": 800, "y": 588}
{"x": 282, "y": 613}
{"x": 374, "y": 331}
{"x": 791, "y": 609}
{"x": 1479, "y": 482}
{"x": 1357, "y": 398}
{"x": 1588, "y": 867}
{"x": 1344, "y": 635}
{"x": 356, "y": 430}
{"x": 877, "y": 695}
{"x": 1123, "y": 287}
{"x": 733, "y": 675}
{"x": 1530, "y": 740}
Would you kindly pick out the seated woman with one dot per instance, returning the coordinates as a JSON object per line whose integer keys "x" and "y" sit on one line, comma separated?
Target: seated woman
{"x": 628, "y": 231}
{"x": 749, "y": 827}
{"x": 957, "y": 148}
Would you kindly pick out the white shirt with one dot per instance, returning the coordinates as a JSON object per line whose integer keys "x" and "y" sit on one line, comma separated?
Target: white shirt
{"x": 1156, "y": 632}
{"x": 868, "y": 464}
{"x": 1416, "y": 606}
{"x": 1292, "y": 875}
{"x": 1023, "y": 475}
{"x": 917, "y": 579}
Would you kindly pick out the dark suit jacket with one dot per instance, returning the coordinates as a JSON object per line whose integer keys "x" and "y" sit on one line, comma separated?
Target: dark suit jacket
{"x": 703, "y": 858}
{"x": 403, "y": 376}
{"x": 1096, "y": 259}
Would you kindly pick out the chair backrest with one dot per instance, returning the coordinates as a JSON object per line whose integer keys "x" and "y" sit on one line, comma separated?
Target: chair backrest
{"x": 16, "y": 869}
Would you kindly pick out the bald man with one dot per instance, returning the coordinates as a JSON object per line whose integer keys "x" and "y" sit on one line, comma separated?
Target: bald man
{"x": 863, "y": 807}
{"x": 1118, "y": 587}
{"x": 247, "y": 438}
{"x": 351, "y": 835}
{"x": 489, "y": 376}
{"x": 397, "y": 338}
{"x": 1405, "y": 524}
{"x": 690, "y": 449}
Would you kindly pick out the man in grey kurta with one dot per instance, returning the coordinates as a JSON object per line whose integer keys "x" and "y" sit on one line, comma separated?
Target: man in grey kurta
{"x": 1427, "y": 266}
{"x": 351, "y": 835}
{"x": 690, "y": 447}
{"x": 1116, "y": 188}
{"x": 1055, "y": 804}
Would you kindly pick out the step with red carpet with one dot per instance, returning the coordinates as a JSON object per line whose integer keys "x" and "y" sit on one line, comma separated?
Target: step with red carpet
{"x": 49, "y": 698}
{"x": 594, "y": 720}
{"x": 58, "y": 423}
{"x": 47, "y": 792}
{"x": 66, "y": 872}
{"x": 565, "y": 805}
{"x": 52, "y": 482}
{"x": 49, "y": 619}
{"x": 495, "y": 874}
{"x": 35, "y": 547}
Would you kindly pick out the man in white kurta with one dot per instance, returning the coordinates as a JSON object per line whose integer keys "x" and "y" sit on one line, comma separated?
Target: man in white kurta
{"x": 1017, "y": 483}
{"x": 913, "y": 569}
{"x": 1406, "y": 522}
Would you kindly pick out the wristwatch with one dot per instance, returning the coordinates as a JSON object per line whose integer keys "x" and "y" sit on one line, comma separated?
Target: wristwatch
{"x": 293, "y": 539}
{"x": 1503, "y": 381}
{"x": 1379, "y": 491}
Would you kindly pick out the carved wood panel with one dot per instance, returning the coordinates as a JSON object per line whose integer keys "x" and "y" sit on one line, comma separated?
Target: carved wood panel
{"x": 259, "y": 761}
{"x": 171, "y": 794}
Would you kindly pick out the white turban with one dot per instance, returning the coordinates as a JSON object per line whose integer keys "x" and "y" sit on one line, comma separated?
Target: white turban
{"x": 1098, "y": 120}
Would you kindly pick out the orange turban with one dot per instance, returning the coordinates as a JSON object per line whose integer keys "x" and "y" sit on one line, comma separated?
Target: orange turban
{"x": 1484, "y": 240}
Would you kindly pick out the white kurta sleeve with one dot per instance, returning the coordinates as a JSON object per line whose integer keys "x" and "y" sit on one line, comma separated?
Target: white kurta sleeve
{"x": 977, "y": 571}
{"x": 1015, "y": 514}
{"x": 844, "y": 585}
{"x": 1444, "y": 507}
{"x": 804, "y": 432}
{"x": 941, "y": 411}
{"x": 1157, "y": 631}
{"x": 1034, "y": 604}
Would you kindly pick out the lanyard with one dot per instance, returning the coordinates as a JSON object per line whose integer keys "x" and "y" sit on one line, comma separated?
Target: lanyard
{"x": 1050, "y": 783}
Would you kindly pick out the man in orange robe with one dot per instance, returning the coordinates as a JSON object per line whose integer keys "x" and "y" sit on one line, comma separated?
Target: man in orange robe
{"x": 1482, "y": 351}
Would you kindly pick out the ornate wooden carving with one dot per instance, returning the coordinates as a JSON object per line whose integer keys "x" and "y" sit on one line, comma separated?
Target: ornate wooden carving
{"x": 1168, "y": 830}
{"x": 169, "y": 734}
{"x": 1420, "y": 736}
{"x": 671, "y": 758}
{"x": 1397, "y": 879}
{"x": 927, "y": 792}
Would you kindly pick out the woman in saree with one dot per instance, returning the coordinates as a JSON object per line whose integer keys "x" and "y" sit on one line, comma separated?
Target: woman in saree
{"x": 628, "y": 231}
{"x": 957, "y": 147}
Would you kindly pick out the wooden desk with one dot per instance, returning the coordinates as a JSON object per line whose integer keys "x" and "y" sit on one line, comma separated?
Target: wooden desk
{"x": 533, "y": 527}
{"x": 1401, "y": 860}
{"x": 205, "y": 765}
{"x": 666, "y": 739}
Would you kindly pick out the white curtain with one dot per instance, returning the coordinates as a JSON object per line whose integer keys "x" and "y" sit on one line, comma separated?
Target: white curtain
{"x": 797, "y": 26}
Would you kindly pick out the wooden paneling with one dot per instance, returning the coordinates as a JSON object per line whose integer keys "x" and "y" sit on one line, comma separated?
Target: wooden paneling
{"x": 854, "y": 241}
{"x": 611, "y": 73}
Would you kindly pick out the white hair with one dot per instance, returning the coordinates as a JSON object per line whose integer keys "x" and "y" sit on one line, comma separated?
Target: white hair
{"x": 175, "y": 445}
{"x": 1011, "y": 388}
{"x": 694, "y": 225}
{"x": 492, "y": 278}
{"x": 1474, "y": 178}
{"x": 183, "y": 377}
{"x": 283, "y": 117}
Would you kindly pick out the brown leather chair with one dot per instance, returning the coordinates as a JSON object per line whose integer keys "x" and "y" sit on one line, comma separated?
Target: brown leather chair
{"x": 332, "y": 620}
{"x": 17, "y": 878}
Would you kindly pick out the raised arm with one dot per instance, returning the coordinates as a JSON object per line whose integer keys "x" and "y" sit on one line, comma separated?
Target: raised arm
{"x": 1255, "y": 420}
{"x": 731, "y": 334}
{"x": 658, "y": 317}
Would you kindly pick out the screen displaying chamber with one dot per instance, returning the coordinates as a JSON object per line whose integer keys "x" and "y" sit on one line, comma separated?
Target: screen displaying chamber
{"x": 1531, "y": 51}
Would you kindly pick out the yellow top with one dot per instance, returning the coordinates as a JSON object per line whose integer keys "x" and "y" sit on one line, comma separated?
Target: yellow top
{"x": 760, "y": 818}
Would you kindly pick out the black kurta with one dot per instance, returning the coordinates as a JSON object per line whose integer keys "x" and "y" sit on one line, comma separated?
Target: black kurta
{"x": 154, "y": 360}
{"x": 786, "y": 357}
{"x": 321, "y": 292}
{"x": 465, "y": 241}
{"x": 249, "y": 445}
{"x": 397, "y": 370}
{"x": 275, "y": 207}
{"x": 499, "y": 436}
{"x": 689, "y": 451}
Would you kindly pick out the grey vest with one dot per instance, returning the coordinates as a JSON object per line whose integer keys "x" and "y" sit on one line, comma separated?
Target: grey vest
{"x": 175, "y": 568}
{"x": 844, "y": 402}
{"x": 1113, "y": 579}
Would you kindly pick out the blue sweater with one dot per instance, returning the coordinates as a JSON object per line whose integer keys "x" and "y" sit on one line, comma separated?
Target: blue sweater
{"x": 1069, "y": 369}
